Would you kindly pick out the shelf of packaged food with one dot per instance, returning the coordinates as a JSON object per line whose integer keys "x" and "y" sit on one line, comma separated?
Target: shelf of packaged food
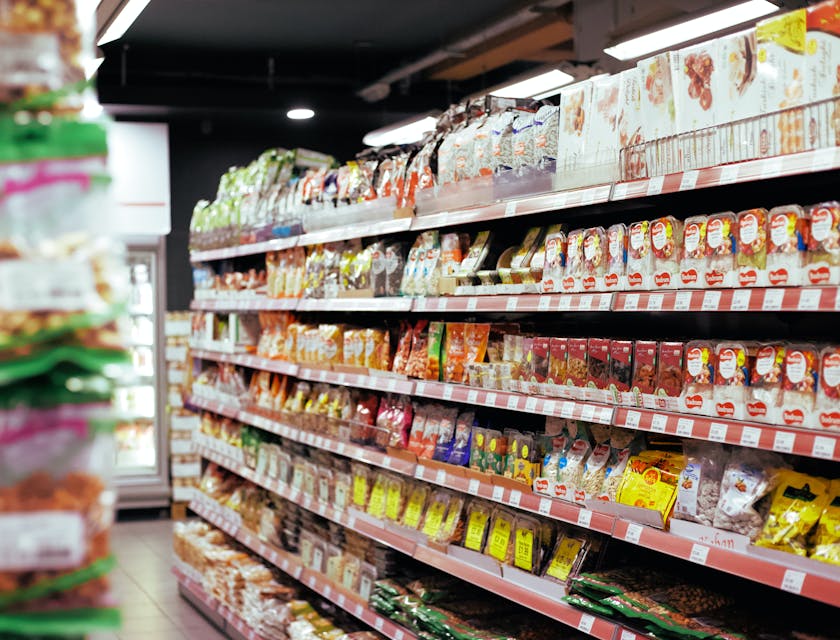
{"x": 744, "y": 299}
{"x": 748, "y": 171}
{"x": 521, "y": 303}
{"x": 224, "y": 253}
{"x": 813, "y": 444}
{"x": 352, "y": 603}
{"x": 221, "y": 615}
{"x": 809, "y": 578}
{"x": 354, "y": 304}
{"x": 235, "y": 304}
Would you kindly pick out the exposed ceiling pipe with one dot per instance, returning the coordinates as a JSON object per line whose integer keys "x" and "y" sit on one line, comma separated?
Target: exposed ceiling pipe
{"x": 380, "y": 89}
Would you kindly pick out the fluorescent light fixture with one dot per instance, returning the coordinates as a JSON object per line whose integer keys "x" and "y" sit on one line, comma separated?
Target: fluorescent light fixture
{"x": 123, "y": 18}
{"x": 555, "y": 91}
{"x": 544, "y": 84}
{"x": 300, "y": 113}
{"x": 92, "y": 66}
{"x": 691, "y": 29}
{"x": 402, "y": 132}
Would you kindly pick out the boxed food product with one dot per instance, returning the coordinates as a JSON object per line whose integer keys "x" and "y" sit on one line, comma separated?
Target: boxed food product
{"x": 602, "y": 145}
{"x": 695, "y": 84}
{"x": 577, "y": 368}
{"x": 573, "y": 273}
{"x": 644, "y": 370}
{"x": 698, "y": 390}
{"x": 738, "y": 93}
{"x": 639, "y": 256}
{"x": 536, "y": 364}
{"x": 575, "y": 110}
{"x": 752, "y": 248}
{"x": 631, "y": 135}
{"x": 823, "y": 258}
{"x": 554, "y": 266}
{"x": 621, "y": 371}
{"x": 781, "y": 80}
{"x": 615, "y": 278}
{"x": 659, "y": 111}
{"x": 557, "y": 353}
{"x": 799, "y": 385}
{"x": 786, "y": 235}
{"x": 764, "y": 396}
{"x": 828, "y": 394}
{"x": 731, "y": 379}
{"x": 669, "y": 375}
{"x": 822, "y": 58}
{"x": 721, "y": 246}
{"x": 666, "y": 239}
{"x": 597, "y": 380}
{"x": 594, "y": 259}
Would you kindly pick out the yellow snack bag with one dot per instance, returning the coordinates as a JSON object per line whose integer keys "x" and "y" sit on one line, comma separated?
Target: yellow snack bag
{"x": 827, "y": 535}
{"x": 650, "y": 481}
{"x": 798, "y": 502}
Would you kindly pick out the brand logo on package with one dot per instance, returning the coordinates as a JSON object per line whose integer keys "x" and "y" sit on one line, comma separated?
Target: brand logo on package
{"x": 689, "y": 276}
{"x": 662, "y": 279}
{"x": 819, "y": 275}
{"x": 560, "y": 490}
{"x": 793, "y": 417}
{"x": 694, "y": 402}
{"x": 568, "y": 284}
{"x": 725, "y": 409}
{"x": 589, "y": 283}
{"x": 747, "y": 278}
{"x": 778, "y": 276}
{"x": 829, "y": 420}
{"x": 611, "y": 280}
{"x": 714, "y": 277}
{"x": 541, "y": 485}
{"x": 634, "y": 279}
{"x": 756, "y": 409}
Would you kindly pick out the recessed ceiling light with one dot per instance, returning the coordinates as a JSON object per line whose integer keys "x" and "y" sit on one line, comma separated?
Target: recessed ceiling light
{"x": 300, "y": 114}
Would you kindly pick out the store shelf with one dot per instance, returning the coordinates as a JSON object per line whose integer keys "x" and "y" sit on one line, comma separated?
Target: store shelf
{"x": 251, "y": 303}
{"x": 813, "y": 444}
{"x": 355, "y": 304}
{"x": 749, "y": 171}
{"x": 517, "y": 303}
{"x": 788, "y": 299}
{"x": 247, "y": 360}
{"x": 350, "y": 231}
{"x": 277, "y": 244}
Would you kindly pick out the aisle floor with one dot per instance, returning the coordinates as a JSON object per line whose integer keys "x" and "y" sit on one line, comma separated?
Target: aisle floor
{"x": 147, "y": 590}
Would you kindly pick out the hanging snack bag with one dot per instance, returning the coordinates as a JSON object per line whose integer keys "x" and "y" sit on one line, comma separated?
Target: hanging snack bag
{"x": 639, "y": 256}
{"x": 786, "y": 235}
{"x": 615, "y": 278}
{"x": 797, "y": 504}
{"x": 693, "y": 263}
{"x": 666, "y": 240}
{"x": 799, "y": 385}
{"x": 764, "y": 396}
{"x": 751, "y": 258}
{"x": 699, "y": 488}
{"x": 573, "y": 274}
{"x": 828, "y": 394}
{"x": 501, "y": 536}
{"x": 826, "y": 538}
{"x": 721, "y": 247}
{"x": 594, "y": 259}
{"x": 644, "y": 370}
{"x": 554, "y": 266}
{"x": 477, "y": 526}
{"x": 621, "y": 371}
{"x": 557, "y": 361}
{"x": 731, "y": 379}
{"x": 823, "y": 258}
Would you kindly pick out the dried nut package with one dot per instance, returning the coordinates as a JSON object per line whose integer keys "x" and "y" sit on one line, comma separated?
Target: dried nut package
{"x": 699, "y": 488}
{"x": 526, "y": 544}
{"x": 693, "y": 263}
{"x": 554, "y": 267}
{"x": 478, "y": 523}
{"x": 786, "y": 234}
{"x": 500, "y": 537}
{"x": 797, "y": 504}
{"x": 752, "y": 248}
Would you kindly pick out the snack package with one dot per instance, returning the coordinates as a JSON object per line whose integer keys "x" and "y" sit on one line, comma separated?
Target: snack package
{"x": 698, "y": 493}
{"x": 594, "y": 474}
{"x": 577, "y": 368}
{"x": 823, "y": 257}
{"x": 557, "y": 361}
{"x": 475, "y": 258}
{"x": 450, "y": 254}
{"x": 434, "y": 353}
{"x": 732, "y": 376}
{"x": 396, "y": 491}
{"x": 477, "y": 525}
{"x": 666, "y": 241}
{"x": 797, "y": 504}
{"x": 573, "y": 273}
{"x": 650, "y": 481}
{"x": 455, "y": 353}
{"x": 639, "y": 256}
{"x": 748, "y": 477}
{"x": 669, "y": 374}
{"x": 537, "y": 363}
{"x": 566, "y": 557}
{"x": 721, "y": 246}
{"x": 526, "y": 544}
{"x": 459, "y": 453}
{"x": 698, "y": 387}
{"x": 415, "y": 506}
{"x": 378, "y": 494}
{"x": 644, "y": 369}
{"x": 615, "y": 278}
{"x": 799, "y": 385}
{"x": 786, "y": 235}
{"x": 693, "y": 263}
{"x": 826, "y": 540}
{"x": 416, "y": 365}
{"x": 435, "y": 514}
{"x": 621, "y": 371}
{"x": 594, "y": 259}
{"x": 598, "y": 368}
{"x": 495, "y": 451}
{"x": 828, "y": 394}
{"x": 554, "y": 266}
{"x": 764, "y": 396}
{"x": 571, "y": 467}
{"x": 751, "y": 258}
{"x": 500, "y": 536}
{"x": 631, "y": 135}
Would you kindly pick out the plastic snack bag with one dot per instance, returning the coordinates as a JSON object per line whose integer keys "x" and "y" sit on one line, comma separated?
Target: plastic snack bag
{"x": 577, "y": 367}
{"x": 698, "y": 493}
{"x": 567, "y": 557}
{"x": 615, "y": 278}
{"x": 797, "y": 504}
{"x": 594, "y": 259}
{"x": 639, "y": 256}
{"x": 799, "y": 385}
{"x": 823, "y": 258}
{"x": 455, "y": 353}
{"x": 826, "y": 538}
{"x": 693, "y": 264}
{"x": 573, "y": 274}
{"x": 828, "y": 394}
{"x": 666, "y": 239}
{"x": 557, "y": 361}
{"x": 786, "y": 235}
{"x": 698, "y": 390}
{"x": 721, "y": 247}
{"x": 764, "y": 396}
{"x": 751, "y": 258}
{"x": 731, "y": 379}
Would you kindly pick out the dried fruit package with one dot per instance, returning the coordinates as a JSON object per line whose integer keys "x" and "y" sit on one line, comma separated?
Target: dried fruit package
{"x": 644, "y": 369}
{"x": 639, "y": 256}
{"x": 594, "y": 474}
{"x": 478, "y": 523}
{"x": 415, "y": 506}
{"x": 786, "y": 235}
{"x": 694, "y": 260}
{"x": 826, "y": 538}
{"x": 460, "y": 452}
{"x": 732, "y": 377}
{"x": 435, "y": 514}
{"x": 577, "y": 367}
{"x": 594, "y": 259}
{"x": 416, "y": 365}
{"x": 721, "y": 247}
{"x": 666, "y": 240}
{"x": 557, "y": 359}
{"x": 751, "y": 258}
{"x": 823, "y": 258}
{"x": 828, "y": 394}
{"x": 615, "y": 278}
{"x": 598, "y": 368}
{"x": 621, "y": 371}
{"x": 764, "y": 396}
{"x": 455, "y": 354}
{"x": 797, "y": 504}
{"x": 526, "y": 544}
{"x": 698, "y": 388}
{"x": 554, "y": 267}
{"x": 669, "y": 372}
{"x": 699, "y": 488}
{"x": 500, "y": 537}
{"x": 799, "y": 385}
{"x": 401, "y": 356}
{"x": 573, "y": 273}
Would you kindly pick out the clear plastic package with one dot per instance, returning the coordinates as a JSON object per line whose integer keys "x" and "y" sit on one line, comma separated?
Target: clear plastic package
{"x": 823, "y": 257}
{"x": 698, "y": 390}
{"x": 828, "y": 394}
{"x": 799, "y": 385}
{"x": 693, "y": 264}
{"x": 573, "y": 273}
{"x": 721, "y": 245}
{"x": 554, "y": 269}
{"x": 786, "y": 234}
{"x": 639, "y": 256}
{"x": 752, "y": 248}
{"x": 666, "y": 239}
{"x": 764, "y": 396}
{"x": 594, "y": 259}
{"x": 615, "y": 278}
{"x": 731, "y": 379}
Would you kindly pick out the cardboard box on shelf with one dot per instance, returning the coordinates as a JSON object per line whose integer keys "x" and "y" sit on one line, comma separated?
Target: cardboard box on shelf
{"x": 822, "y": 73}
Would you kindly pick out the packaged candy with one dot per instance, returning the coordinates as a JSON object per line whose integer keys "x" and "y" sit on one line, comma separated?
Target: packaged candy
{"x": 574, "y": 271}
{"x": 557, "y": 354}
{"x": 823, "y": 258}
{"x": 721, "y": 247}
{"x": 693, "y": 264}
{"x": 577, "y": 368}
{"x": 828, "y": 394}
{"x": 764, "y": 396}
{"x": 639, "y": 256}
{"x": 786, "y": 235}
{"x": 615, "y": 278}
{"x": 621, "y": 371}
{"x": 666, "y": 241}
{"x": 669, "y": 371}
{"x": 799, "y": 385}
{"x": 731, "y": 379}
{"x": 644, "y": 369}
{"x": 554, "y": 266}
{"x": 797, "y": 504}
{"x": 826, "y": 538}
{"x": 698, "y": 388}
{"x": 752, "y": 248}
{"x": 594, "y": 259}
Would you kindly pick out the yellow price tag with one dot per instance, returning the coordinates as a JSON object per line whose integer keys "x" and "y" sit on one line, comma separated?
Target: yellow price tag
{"x": 376, "y": 504}
{"x": 393, "y": 502}
{"x": 564, "y": 559}
{"x": 476, "y": 525}
{"x": 523, "y": 555}
{"x": 434, "y": 518}
{"x": 499, "y": 539}
{"x": 360, "y": 489}
{"x": 414, "y": 509}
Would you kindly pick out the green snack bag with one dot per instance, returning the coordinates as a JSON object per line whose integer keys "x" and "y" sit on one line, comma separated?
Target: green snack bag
{"x": 434, "y": 365}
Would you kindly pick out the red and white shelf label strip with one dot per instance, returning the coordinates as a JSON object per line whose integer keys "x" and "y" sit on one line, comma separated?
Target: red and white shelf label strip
{"x": 522, "y": 303}
{"x": 277, "y": 244}
{"x": 744, "y": 299}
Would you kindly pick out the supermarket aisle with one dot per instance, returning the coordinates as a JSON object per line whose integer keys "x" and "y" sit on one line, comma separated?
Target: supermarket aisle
{"x": 146, "y": 589}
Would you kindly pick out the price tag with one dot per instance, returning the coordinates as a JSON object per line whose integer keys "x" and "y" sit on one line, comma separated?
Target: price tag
{"x": 654, "y": 186}
{"x": 585, "y": 303}
{"x": 772, "y": 167}
{"x": 472, "y": 396}
{"x": 717, "y": 432}
{"x": 399, "y": 635}
{"x": 298, "y": 570}
{"x": 699, "y": 553}
{"x": 626, "y": 634}
{"x": 587, "y": 197}
{"x": 784, "y": 441}
{"x": 392, "y": 385}
{"x": 386, "y": 462}
{"x": 741, "y": 299}
{"x": 420, "y": 388}
{"x": 654, "y": 302}
{"x": 440, "y": 478}
{"x": 473, "y": 487}
{"x": 548, "y": 407}
{"x": 634, "y": 533}
{"x": 441, "y": 304}
{"x": 359, "y": 611}
{"x": 750, "y": 436}
{"x": 544, "y": 303}
{"x": 567, "y": 409}
{"x": 498, "y": 493}
{"x": 619, "y": 191}
{"x": 685, "y": 427}
{"x": 322, "y": 375}
{"x": 472, "y": 303}
{"x": 729, "y": 174}
{"x": 511, "y": 304}
{"x": 510, "y": 209}
{"x": 419, "y": 470}
{"x": 341, "y": 600}
{"x": 689, "y": 180}
{"x": 531, "y": 404}
{"x": 312, "y": 581}
{"x": 658, "y": 423}
{"x": 490, "y": 399}
{"x": 285, "y": 564}
{"x": 823, "y": 160}
{"x": 584, "y": 518}
{"x": 379, "y": 624}
{"x": 633, "y": 418}
{"x": 793, "y": 581}
{"x": 809, "y": 299}
{"x": 545, "y": 506}
{"x": 322, "y": 509}
{"x": 772, "y": 299}
{"x": 566, "y": 303}
{"x": 711, "y": 300}
{"x": 682, "y": 301}
{"x": 587, "y": 413}
{"x": 586, "y": 622}
{"x": 340, "y": 448}
{"x": 327, "y": 591}
{"x": 823, "y": 447}
{"x": 631, "y": 301}
{"x": 514, "y": 498}
{"x": 447, "y": 392}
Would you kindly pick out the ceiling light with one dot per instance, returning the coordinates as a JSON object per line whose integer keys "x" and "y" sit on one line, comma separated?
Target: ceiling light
{"x": 691, "y": 29}
{"x": 122, "y": 19}
{"x": 554, "y": 92}
{"x": 402, "y": 132}
{"x": 544, "y": 84}
{"x": 92, "y": 66}
{"x": 300, "y": 113}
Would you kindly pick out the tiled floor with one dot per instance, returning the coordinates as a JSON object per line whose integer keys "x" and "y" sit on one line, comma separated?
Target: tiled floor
{"x": 147, "y": 590}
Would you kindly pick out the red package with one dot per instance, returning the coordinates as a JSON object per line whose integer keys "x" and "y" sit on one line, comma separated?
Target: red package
{"x": 557, "y": 356}
{"x": 599, "y": 363}
{"x": 669, "y": 374}
{"x": 577, "y": 369}
{"x": 644, "y": 366}
{"x": 621, "y": 365}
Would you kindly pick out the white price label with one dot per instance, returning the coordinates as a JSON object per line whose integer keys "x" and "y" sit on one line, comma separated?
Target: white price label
{"x": 584, "y": 518}
{"x": 285, "y": 564}
{"x": 511, "y": 304}
{"x": 392, "y": 385}
{"x": 729, "y": 174}
{"x": 565, "y": 303}
{"x": 634, "y": 533}
{"x": 631, "y": 301}
{"x": 386, "y": 462}
{"x": 441, "y": 304}
{"x": 711, "y": 300}
{"x": 473, "y": 487}
{"x": 440, "y": 477}
{"x": 604, "y": 302}
{"x": 514, "y": 498}
{"x": 512, "y": 402}
{"x": 741, "y": 299}
{"x": 340, "y": 448}
{"x": 633, "y": 418}
{"x": 531, "y": 404}
{"x": 585, "y": 303}
{"x": 322, "y": 509}
{"x": 298, "y": 570}
{"x": 586, "y": 622}
{"x": 498, "y": 493}
{"x": 689, "y": 180}
{"x": 322, "y": 375}
{"x": 545, "y": 506}
{"x": 419, "y": 470}
{"x": 654, "y": 302}
{"x": 772, "y": 167}
{"x": 717, "y": 432}
{"x": 379, "y": 624}
{"x": 773, "y": 299}
{"x": 587, "y": 413}
{"x": 823, "y": 447}
{"x": 658, "y": 423}
{"x": 699, "y": 553}
{"x": 750, "y": 436}
{"x": 544, "y": 303}
{"x": 342, "y": 379}
{"x": 399, "y": 635}
{"x": 587, "y": 197}
{"x": 327, "y": 591}
{"x": 510, "y": 209}
{"x": 447, "y": 392}
{"x": 420, "y": 388}
{"x": 823, "y": 160}
{"x": 685, "y": 427}
{"x": 809, "y": 299}
{"x": 784, "y": 441}
{"x": 312, "y": 581}
{"x": 341, "y": 600}
{"x": 472, "y": 396}
{"x": 472, "y": 303}
{"x": 549, "y": 407}
{"x": 793, "y": 581}
{"x": 682, "y": 301}
{"x": 626, "y": 634}
{"x": 359, "y": 610}
{"x": 567, "y": 409}
{"x": 490, "y": 399}
{"x": 619, "y": 191}
{"x": 655, "y": 184}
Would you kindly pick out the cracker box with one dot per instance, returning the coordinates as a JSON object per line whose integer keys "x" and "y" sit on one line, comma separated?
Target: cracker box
{"x": 695, "y": 82}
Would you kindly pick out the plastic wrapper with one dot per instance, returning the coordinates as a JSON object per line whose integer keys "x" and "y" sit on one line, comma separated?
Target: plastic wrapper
{"x": 764, "y": 396}
{"x": 452, "y": 529}
{"x": 621, "y": 368}
{"x": 450, "y": 254}
{"x": 575, "y": 262}
{"x": 378, "y": 495}
{"x": 546, "y": 136}
{"x": 478, "y": 516}
{"x": 666, "y": 239}
{"x": 640, "y": 264}
{"x": 554, "y": 267}
{"x": 475, "y": 258}
{"x": 826, "y": 540}
{"x": 416, "y": 365}
{"x": 796, "y": 505}
{"x": 444, "y": 442}
{"x": 502, "y": 142}
{"x": 828, "y": 393}
{"x": 523, "y": 141}
{"x": 669, "y": 369}
{"x": 693, "y": 263}
{"x": 721, "y": 247}
{"x": 501, "y": 536}
{"x": 571, "y": 467}
{"x": 598, "y": 368}
{"x": 644, "y": 367}
{"x": 577, "y": 367}
{"x": 435, "y": 514}
{"x": 415, "y": 506}
{"x": 526, "y": 544}
{"x": 615, "y": 278}
{"x": 360, "y": 490}
{"x": 557, "y": 360}
{"x": 435, "y": 349}
{"x": 698, "y": 388}
{"x": 495, "y": 451}
{"x": 403, "y": 351}
{"x": 567, "y": 557}
{"x": 460, "y": 451}
{"x": 396, "y": 492}
{"x": 478, "y": 449}
{"x": 786, "y": 234}
{"x": 699, "y": 486}
{"x": 733, "y": 365}
{"x": 595, "y": 259}
{"x": 823, "y": 257}
{"x": 751, "y": 258}
{"x": 594, "y": 474}
{"x": 799, "y": 385}
{"x": 650, "y": 481}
